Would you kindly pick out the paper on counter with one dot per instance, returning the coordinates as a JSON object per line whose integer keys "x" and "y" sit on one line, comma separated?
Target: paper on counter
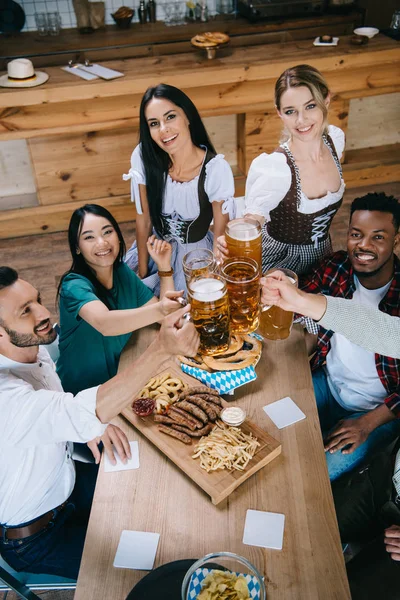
{"x": 79, "y": 73}
{"x": 99, "y": 71}
{"x": 284, "y": 412}
{"x": 131, "y": 463}
{"x": 136, "y": 550}
{"x": 264, "y": 529}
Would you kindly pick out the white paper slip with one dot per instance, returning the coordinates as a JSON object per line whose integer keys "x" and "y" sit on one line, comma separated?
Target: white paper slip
{"x": 136, "y": 550}
{"x": 284, "y": 412}
{"x": 79, "y": 73}
{"x": 131, "y": 463}
{"x": 264, "y": 529}
{"x": 100, "y": 71}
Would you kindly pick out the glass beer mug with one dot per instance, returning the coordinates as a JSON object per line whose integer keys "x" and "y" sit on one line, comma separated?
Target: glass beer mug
{"x": 200, "y": 261}
{"x": 243, "y": 238}
{"x": 276, "y": 323}
{"x": 209, "y": 312}
{"x": 242, "y": 276}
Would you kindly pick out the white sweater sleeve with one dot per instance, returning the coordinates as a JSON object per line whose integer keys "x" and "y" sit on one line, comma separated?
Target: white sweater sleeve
{"x": 365, "y": 326}
{"x": 268, "y": 182}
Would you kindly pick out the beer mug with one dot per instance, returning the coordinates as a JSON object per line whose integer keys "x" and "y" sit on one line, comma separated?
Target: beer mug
{"x": 210, "y": 312}
{"x": 276, "y": 323}
{"x": 242, "y": 276}
{"x": 243, "y": 238}
{"x": 200, "y": 261}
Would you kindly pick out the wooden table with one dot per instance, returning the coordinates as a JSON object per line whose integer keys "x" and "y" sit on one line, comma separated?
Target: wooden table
{"x": 160, "y": 498}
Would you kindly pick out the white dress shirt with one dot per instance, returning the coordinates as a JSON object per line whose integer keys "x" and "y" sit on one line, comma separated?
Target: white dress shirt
{"x": 37, "y": 421}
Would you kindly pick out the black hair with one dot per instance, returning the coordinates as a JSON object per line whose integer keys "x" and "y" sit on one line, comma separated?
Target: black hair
{"x": 155, "y": 160}
{"x": 8, "y": 276}
{"x": 79, "y": 265}
{"x": 380, "y": 202}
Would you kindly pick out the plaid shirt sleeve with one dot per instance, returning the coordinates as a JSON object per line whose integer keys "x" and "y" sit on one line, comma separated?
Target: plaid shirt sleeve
{"x": 393, "y": 403}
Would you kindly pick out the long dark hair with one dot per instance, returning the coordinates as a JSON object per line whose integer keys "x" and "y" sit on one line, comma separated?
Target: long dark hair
{"x": 155, "y": 160}
{"x": 79, "y": 265}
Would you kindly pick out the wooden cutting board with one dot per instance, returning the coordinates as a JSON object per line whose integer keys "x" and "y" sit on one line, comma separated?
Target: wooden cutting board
{"x": 217, "y": 484}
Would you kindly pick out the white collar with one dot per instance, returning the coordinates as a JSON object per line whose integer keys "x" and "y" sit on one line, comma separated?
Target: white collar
{"x": 8, "y": 363}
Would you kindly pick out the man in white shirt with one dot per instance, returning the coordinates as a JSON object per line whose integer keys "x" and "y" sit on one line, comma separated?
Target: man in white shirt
{"x": 357, "y": 391}
{"x": 45, "y": 497}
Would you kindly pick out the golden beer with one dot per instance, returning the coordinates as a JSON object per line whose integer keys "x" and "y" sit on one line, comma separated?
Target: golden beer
{"x": 198, "y": 262}
{"x": 243, "y": 238}
{"x": 242, "y": 278}
{"x": 210, "y": 313}
{"x": 276, "y": 323}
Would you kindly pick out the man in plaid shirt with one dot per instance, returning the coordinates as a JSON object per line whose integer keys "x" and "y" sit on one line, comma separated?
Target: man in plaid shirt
{"x": 357, "y": 392}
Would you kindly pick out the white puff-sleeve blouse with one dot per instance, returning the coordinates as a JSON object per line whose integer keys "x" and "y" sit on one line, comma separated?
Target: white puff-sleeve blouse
{"x": 181, "y": 198}
{"x": 269, "y": 180}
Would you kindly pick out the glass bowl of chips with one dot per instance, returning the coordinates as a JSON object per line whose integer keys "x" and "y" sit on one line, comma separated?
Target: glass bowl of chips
{"x": 223, "y": 576}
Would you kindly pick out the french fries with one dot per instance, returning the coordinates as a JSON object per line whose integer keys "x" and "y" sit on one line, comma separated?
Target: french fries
{"x": 164, "y": 389}
{"x": 226, "y": 448}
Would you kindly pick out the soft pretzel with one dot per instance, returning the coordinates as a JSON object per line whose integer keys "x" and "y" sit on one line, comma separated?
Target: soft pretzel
{"x": 217, "y": 36}
{"x": 202, "y": 42}
{"x": 239, "y": 360}
{"x": 196, "y": 361}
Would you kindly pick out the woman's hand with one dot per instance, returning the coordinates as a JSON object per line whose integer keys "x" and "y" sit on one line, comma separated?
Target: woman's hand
{"x": 177, "y": 335}
{"x": 161, "y": 252}
{"x": 113, "y": 437}
{"x": 220, "y": 249}
{"x": 169, "y": 304}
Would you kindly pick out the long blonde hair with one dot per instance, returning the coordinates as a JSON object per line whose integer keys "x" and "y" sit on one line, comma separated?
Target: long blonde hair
{"x": 309, "y": 77}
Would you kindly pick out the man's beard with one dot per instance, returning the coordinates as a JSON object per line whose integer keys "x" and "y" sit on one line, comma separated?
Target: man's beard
{"x": 26, "y": 340}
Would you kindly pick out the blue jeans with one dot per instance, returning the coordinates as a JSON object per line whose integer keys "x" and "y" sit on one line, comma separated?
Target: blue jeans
{"x": 57, "y": 549}
{"x": 330, "y": 412}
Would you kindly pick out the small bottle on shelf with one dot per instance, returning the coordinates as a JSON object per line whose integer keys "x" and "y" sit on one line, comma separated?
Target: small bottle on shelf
{"x": 142, "y": 12}
{"x": 151, "y": 10}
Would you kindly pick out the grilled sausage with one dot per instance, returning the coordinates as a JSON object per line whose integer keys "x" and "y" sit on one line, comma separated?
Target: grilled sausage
{"x": 198, "y": 433}
{"x": 163, "y": 419}
{"x": 197, "y": 390}
{"x": 204, "y": 405}
{"x": 215, "y": 407}
{"x": 184, "y": 418}
{"x": 193, "y": 410}
{"x": 179, "y": 435}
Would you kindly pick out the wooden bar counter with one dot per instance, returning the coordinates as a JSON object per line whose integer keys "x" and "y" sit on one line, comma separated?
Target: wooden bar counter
{"x": 160, "y": 498}
{"x": 81, "y": 134}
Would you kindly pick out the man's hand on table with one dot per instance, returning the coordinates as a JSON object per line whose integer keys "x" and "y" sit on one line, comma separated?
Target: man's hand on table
{"x": 392, "y": 541}
{"x": 113, "y": 437}
{"x": 349, "y": 434}
{"x": 178, "y": 336}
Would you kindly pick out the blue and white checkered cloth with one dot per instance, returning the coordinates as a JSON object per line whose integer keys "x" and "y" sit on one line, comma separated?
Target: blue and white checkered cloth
{"x": 225, "y": 382}
{"x": 200, "y": 574}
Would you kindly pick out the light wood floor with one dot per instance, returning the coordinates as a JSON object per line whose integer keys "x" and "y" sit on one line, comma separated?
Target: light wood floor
{"x": 43, "y": 259}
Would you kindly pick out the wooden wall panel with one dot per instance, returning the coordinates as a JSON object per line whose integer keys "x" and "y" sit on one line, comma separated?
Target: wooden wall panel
{"x": 82, "y": 167}
{"x": 223, "y": 133}
{"x": 263, "y": 129}
{"x": 374, "y": 121}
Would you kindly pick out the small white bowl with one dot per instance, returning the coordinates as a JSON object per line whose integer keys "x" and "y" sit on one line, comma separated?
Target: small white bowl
{"x": 368, "y": 31}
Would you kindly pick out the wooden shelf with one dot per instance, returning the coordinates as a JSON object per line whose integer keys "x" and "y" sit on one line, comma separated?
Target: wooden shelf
{"x": 156, "y": 39}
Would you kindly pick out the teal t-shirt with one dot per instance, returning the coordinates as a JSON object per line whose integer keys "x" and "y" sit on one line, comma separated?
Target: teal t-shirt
{"x": 88, "y": 358}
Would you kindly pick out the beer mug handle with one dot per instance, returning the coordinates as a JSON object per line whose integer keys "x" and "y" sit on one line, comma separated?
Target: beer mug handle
{"x": 184, "y": 302}
{"x": 264, "y": 307}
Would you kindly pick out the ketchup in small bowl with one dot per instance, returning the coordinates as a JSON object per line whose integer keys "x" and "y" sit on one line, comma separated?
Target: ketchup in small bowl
{"x": 143, "y": 407}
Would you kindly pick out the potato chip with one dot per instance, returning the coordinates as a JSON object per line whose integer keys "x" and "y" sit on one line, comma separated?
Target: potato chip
{"x": 224, "y": 585}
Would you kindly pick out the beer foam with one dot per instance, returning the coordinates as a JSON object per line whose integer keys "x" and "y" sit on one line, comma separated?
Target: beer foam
{"x": 244, "y": 232}
{"x": 207, "y": 289}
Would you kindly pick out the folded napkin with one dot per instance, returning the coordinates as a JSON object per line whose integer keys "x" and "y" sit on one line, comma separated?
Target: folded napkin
{"x": 200, "y": 574}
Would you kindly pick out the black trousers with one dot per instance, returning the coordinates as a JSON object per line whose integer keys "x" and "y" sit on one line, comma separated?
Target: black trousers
{"x": 364, "y": 507}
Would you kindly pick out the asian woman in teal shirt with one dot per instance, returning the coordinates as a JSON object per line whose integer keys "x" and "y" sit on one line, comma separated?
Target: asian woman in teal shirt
{"x": 102, "y": 301}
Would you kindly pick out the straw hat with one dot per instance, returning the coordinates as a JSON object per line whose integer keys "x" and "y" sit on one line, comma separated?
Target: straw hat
{"x": 21, "y": 74}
